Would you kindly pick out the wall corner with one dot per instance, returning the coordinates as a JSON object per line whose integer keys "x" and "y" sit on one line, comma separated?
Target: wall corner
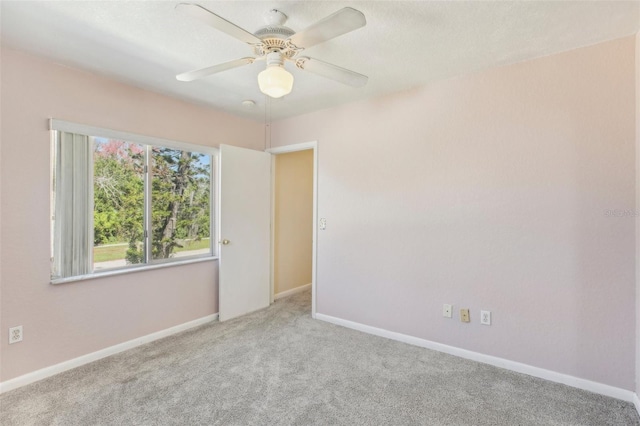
{"x": 637, "y": 175}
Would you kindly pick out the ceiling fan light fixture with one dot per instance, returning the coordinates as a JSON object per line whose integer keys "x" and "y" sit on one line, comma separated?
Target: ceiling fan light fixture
{"x": 276, "y": 43}
{"x": 275, "y": 81}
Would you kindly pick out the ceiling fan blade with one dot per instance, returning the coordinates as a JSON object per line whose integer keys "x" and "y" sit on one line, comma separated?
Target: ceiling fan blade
{"x": 331, "y": 71}
{"x": 218, "y": 22}
{"x": 343, "y": 21}
{"x": 196, "y": 74}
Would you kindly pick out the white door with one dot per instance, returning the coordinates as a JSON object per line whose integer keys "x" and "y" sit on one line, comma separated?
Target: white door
{"x": 245, "y": 219}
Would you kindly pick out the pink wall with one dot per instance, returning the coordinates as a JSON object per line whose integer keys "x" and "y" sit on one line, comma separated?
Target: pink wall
{"x": 65, "y": 321}
{"x": 488, "y": 191}
{"x": 637, "y": 220}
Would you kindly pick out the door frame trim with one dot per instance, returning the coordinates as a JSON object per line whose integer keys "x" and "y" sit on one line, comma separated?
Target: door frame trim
{"x": 314, "y": 251}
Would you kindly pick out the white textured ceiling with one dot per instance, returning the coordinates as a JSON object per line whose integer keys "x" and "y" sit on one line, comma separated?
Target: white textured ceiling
{"x": 404, "y": 44}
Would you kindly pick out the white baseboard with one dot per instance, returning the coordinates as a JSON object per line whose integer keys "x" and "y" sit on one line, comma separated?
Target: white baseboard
{"x": 542, "y": 373}
{"x": 292, "y": 291}
{"x": 636, "y": 402}
{"x": 102, "y": 353}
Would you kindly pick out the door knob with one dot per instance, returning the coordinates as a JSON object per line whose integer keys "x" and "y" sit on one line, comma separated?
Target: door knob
{"x": 224, "y": 242}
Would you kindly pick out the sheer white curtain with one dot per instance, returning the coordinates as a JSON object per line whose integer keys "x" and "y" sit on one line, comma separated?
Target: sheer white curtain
{"x": 73, "y": 205}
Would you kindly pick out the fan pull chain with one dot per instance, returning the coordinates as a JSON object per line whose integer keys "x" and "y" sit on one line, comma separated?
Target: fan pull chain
{"x": 267, "y": 121}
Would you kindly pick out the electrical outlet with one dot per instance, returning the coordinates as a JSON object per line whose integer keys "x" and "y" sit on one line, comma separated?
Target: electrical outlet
{"x": 15, "y": 334}
{"x": 464, "y": 315}
{"x": 485, "y": 317}
{"x": 447, "y": 310}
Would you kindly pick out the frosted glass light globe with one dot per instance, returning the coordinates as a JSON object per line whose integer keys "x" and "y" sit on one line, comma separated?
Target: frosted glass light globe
{"x": 275, "y": 81}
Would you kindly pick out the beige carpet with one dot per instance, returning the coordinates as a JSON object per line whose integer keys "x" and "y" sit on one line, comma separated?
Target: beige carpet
{"x": 280, "y": 367}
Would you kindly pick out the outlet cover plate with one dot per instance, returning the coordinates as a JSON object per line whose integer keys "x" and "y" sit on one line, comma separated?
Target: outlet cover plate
{"x": 464, "y": 315}
{"x": 15, "y": 334}
{"x": 447, "y": 310}
{"x": 485, "y": 317}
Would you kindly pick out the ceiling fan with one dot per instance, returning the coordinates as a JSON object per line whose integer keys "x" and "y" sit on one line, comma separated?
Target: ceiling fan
{"x": 276, "y": 44}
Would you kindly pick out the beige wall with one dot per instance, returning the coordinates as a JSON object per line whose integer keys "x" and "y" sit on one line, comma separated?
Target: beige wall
{"x": 65, "y": 321}
{"x": 293, "y": 220}
{"x": 488, "y": 191}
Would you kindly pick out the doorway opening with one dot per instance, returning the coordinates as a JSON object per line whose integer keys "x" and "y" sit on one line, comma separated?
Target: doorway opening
{"x": 293, "y": 230}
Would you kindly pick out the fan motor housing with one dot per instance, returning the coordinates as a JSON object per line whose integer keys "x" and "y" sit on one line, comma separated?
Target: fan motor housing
{"x": 273, "y": 38}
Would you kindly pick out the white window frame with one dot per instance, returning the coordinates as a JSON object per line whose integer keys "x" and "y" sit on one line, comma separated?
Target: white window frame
{"x": 56, "y": 125}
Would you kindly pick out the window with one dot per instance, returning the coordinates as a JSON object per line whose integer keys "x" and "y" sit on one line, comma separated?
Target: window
{"x": 127, "y": 201}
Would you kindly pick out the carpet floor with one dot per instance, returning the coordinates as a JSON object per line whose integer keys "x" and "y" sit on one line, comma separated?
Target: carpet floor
{"x": 280, "y": 367}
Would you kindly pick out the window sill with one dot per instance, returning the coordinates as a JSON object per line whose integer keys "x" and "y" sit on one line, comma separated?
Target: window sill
{"x": 130, "y": 270}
